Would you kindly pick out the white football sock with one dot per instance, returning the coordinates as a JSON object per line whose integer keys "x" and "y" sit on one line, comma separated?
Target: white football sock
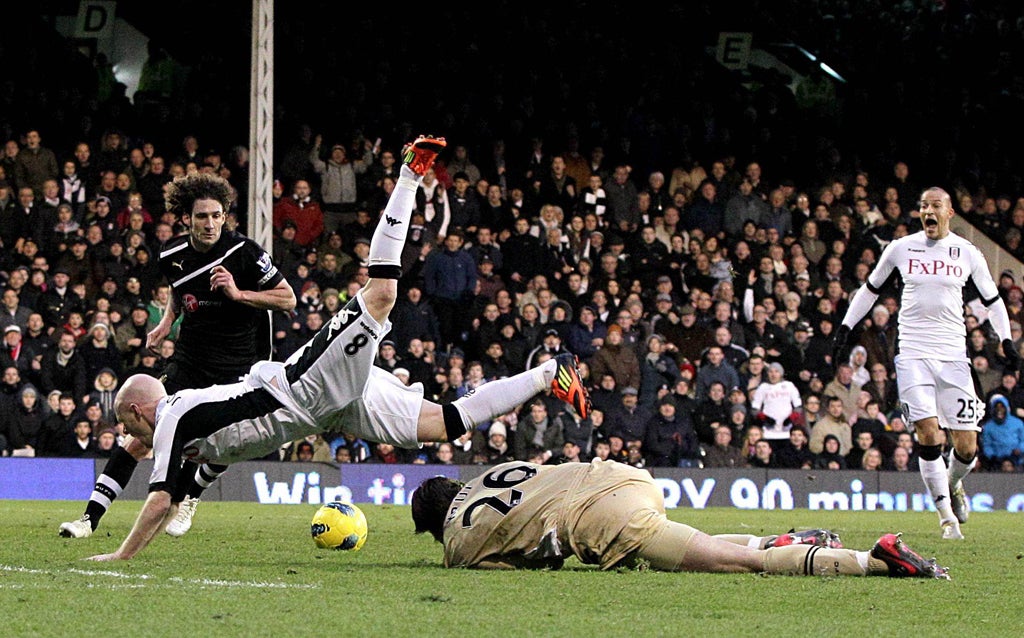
{"x": 495, "y": 398}
{"x": 393, "y": 226}
{"x": 958, "y": 469}
{"x": 935, "y": 478}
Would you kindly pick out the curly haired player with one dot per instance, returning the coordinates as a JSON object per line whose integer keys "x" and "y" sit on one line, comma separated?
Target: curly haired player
{"x": 328, "y": 384}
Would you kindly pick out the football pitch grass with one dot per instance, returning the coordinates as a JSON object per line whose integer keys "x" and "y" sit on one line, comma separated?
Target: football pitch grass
{"x": 252, "y": 570}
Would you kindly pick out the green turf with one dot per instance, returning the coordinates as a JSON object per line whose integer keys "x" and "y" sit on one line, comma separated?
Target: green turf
{"x": 252, "y": 570}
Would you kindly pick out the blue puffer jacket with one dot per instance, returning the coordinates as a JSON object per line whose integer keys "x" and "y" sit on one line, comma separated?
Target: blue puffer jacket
{"x": 1001, "y": 436}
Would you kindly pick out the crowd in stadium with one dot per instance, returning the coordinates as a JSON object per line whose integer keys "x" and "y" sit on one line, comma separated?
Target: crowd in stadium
{"x": 699, "y": 291}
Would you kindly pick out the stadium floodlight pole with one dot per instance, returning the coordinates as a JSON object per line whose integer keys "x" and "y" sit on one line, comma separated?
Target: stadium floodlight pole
{"x": 261, "y": 126}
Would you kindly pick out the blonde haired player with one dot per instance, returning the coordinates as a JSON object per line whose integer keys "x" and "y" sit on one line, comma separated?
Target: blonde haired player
{"x": 933, "y": 373}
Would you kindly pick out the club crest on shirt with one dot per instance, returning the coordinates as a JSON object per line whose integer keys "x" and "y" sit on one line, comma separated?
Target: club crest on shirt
{"x": 954, "y": 252}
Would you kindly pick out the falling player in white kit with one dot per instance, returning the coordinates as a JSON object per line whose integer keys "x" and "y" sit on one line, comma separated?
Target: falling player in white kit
{"x": 328, "y": 384}
{"x": 933, "y": 372}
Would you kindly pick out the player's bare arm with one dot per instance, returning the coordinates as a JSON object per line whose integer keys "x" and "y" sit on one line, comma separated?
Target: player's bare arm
{"x": 156, "y": 336}
{"x": 280, "y": 297}
{"x": 156, "y": 513}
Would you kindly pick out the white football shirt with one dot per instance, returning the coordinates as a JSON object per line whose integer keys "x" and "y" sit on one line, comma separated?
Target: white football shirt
{"x": 934, "y": 273}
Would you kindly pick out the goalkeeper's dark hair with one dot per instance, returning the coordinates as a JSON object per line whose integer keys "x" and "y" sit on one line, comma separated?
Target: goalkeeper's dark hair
{"x": 430, "y": 503}
{"x": 184, "y": 191}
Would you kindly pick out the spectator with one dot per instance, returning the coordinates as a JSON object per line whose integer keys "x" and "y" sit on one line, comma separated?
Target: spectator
{"x": 845, "y": 388}
{"x": 493, "y": 448}
{"x": 104, "y": 391}
{"x": 57, "y": 427}
{"x": 862, "y": 443}
{"x": 794, "y": 453}
{"x": 670, "y": 439}
{"x": 35, "y": 163}
{"x": 776, "y": 404}
{"x": 723, "y": 453}
{"x": 659, "y": 371}
{"x": 449, "y": 278}
{"x": 551, "y": 345}
{"x": 302, "y": 209}
{"x": 12, "y": 313}
{"x": 538, "y": 429}
{"x": 338, "y": 180}
{"x": 313, "y": 449}
{"x": 830, "y": 457}
{"x": 99, "y": 352}
{"x": 835, "y": 423}
{"x": 1002, "y": 435}
{"x": 628, "y": 419}
{"x": 763, "y": 455}
{"x": 616, "y": 359}
{"x": 716, "y": 369}
{"x": 64, "y": 368}
{"x": 712, "y": 410}
{"x": 26, "y": 422}
{"x": 80, "y": 442}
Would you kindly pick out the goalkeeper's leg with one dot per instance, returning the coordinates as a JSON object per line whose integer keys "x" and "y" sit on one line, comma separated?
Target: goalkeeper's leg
{"x": 678, "y": 547}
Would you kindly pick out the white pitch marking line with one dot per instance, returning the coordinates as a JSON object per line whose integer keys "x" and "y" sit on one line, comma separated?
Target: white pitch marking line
{"x": 206, "y": 582}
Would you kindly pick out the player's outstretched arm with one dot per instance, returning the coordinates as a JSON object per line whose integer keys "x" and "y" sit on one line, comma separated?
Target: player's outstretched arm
{"x": 156, "y": 513}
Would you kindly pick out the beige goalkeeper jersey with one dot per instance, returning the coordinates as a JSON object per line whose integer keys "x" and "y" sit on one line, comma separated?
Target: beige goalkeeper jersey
{"x": 527, "y": 515}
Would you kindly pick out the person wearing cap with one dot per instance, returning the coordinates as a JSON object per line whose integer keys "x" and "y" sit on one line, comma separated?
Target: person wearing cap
{"x": 690, "y": 337}
{"x": 288, "y": 252}
{"x": 670, "y": 439}
{"x": 805, "y": 358}
{"x": 627, "y": 418}
{"x": 14, "y": 353}
{"x": 550, "y": 346}
{"x": 104, "y": 215}
{"x": 99, "y": 351}
{"x": 463, "y": 204}
{"x": 490, "y": 282}
{"x": 130, "y": 336}
{"x": 776, "y": 404}
{"x": 59, "y": 300}
{"x": 492, "y": 447}
{"x": 339, "y": 177}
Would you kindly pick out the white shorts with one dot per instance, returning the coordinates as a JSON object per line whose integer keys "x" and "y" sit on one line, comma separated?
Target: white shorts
{"x": 387, "y": 412}
{"x": 943, "y": 389}
{"x": 329, "y": 384}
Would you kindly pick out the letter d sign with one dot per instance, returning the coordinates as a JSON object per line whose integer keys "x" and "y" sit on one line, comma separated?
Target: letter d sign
{"x": 95, "y": 20}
